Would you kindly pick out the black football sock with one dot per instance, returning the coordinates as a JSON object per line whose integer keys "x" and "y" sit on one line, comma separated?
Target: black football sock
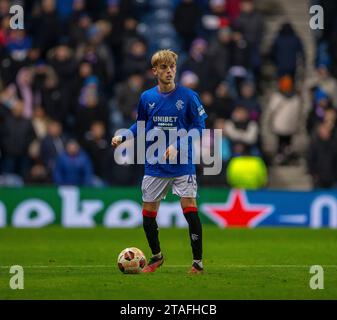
{"x": 151, "y": 230}
{"x": 195, "y": 231}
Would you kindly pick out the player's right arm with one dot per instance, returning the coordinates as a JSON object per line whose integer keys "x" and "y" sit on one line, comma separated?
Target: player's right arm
{"x": 132, "y": 133}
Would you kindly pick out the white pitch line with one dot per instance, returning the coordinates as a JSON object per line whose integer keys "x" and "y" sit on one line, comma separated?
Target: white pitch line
{"x": 177, "y": 266}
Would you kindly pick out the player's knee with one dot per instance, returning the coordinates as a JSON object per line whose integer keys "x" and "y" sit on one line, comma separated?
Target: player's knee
{"x": 147, "y": 214}
{"x": 188, "y": 203}
{"x": 191, "y": 210}
{"x": 151, "y": 206}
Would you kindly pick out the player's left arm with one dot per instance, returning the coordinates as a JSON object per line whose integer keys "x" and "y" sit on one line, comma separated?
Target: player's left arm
{"x": 197, "y": 113}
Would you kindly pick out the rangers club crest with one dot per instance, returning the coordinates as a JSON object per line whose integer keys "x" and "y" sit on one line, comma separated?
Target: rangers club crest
{"x": 180, "y": 104}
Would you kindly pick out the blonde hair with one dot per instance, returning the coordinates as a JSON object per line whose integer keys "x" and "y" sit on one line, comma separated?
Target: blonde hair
{"x": 165, "y": 56}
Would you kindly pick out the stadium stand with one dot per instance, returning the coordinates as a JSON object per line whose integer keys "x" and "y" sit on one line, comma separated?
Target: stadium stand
{"x": 73, "y": 76}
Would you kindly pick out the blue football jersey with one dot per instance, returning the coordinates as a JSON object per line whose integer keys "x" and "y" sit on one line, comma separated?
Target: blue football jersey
{"x": 178, "y": 109}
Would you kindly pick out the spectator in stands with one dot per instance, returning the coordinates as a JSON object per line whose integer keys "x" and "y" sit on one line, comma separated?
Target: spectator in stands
{"x": 62, "y": 59}
{"x": 4, "y": 33}
{"x": 222, "y": 106}
{"x": 40, "y": 124}
{"x": 73, "y": 167}
{"x": 199, "y": 62}
{"x": 325, "y": 82}
{"x": 130, "y": 33}
{"x": 98, "y": 54}
{"x": 52, "y": 101}
{"x": 15, "y": 55}
{"x": 333, "y": 50}
{"x": 187, "y": 17}
{"x": 95, "y": 144}
{"x": 24, "y": 90}
{"x": 8, "y": 97}
{"x": 97, "y": 7}
{"x": 322, "y": 157}
{"x": 330, "y": 118}
{"x": 2, "y": 38}
{"x": 64, "y": 8}
{"x": 233, "y": 9}
{"x": 150, "y": 79}
{"x": 284, "y": 110}
{"x": 4, "y": 8}
{"x": 46, "y": 26}
{"x": 242, "y": 132}
{"x": 135, "y": 60}
{"x": 37, "y": 175}
{"x": 240, "y": 69}
{"x": 34, "y": 56}
{"x": 190, "y": 80}
{"x": 78, "y": 25}
{"x": 116, "y": 18}
{"x": 287, "y": 50}
{"x": 90, "y": 108}
{"x": 328, "y": 34}
{"x": 78, "y": 8}
{"x": 241, "y": 50}
{"x": 251, "y": 23}
{"x": 18, "y": 134}
{"x": 248, "y": 100}
{"x": 127, "y": 96}
{"x": 84, "y": 72}
{"x": 52, "y": 145}
{"x": 320, "y": 104}
{"x": 214, "y": 19}
{"x": 220, "y": 52}
{"x": 3, "y": 114}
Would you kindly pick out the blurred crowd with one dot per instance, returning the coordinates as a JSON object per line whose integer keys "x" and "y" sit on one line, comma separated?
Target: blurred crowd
{"x": 74, "y": 75}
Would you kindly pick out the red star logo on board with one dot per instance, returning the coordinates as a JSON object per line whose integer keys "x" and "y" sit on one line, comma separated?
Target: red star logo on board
{"x": 237, "y": 211}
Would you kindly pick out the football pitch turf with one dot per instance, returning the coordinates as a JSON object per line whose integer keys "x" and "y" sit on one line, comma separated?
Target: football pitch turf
{"x": 265, "y": 263}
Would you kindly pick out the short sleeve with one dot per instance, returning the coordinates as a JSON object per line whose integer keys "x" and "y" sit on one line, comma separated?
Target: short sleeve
{"x": 197, "y": 111}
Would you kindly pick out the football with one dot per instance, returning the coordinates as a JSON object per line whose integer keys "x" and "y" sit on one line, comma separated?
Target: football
{"x": 131, "y": 260}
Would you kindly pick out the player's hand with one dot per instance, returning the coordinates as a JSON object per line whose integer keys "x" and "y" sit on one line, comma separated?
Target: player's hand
{"x": 116, "y": 141}
{"x": 170, "y": 153}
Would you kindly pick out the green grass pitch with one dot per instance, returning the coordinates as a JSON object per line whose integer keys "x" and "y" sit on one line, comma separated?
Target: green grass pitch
{"x": 265, "y": 263}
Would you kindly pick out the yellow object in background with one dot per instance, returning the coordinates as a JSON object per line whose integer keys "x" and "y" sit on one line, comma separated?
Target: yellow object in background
{"x": 247, "y": 172}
